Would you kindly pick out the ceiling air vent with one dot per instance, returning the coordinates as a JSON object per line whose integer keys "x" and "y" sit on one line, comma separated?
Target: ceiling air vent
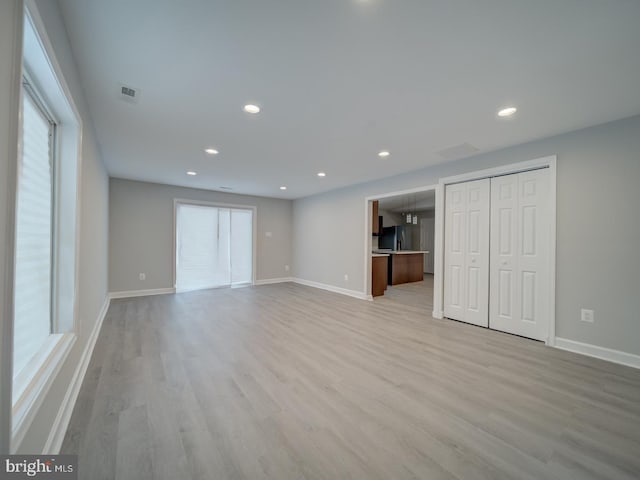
{"x": 458, "y": 151}
{"x": 129, "y": 94}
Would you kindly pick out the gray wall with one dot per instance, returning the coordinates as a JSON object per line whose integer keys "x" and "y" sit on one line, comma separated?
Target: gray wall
{"x": 598, "y": 228}
{"x": 92, "y": 281}
{"x": 389, "y": 219}
{"x": 10, "y": 60}
{"x": 141, "y": 232}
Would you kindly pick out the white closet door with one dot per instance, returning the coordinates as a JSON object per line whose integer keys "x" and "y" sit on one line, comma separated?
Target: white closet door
{"x": 519, "y": 254}
{"x": 466, "y": 291}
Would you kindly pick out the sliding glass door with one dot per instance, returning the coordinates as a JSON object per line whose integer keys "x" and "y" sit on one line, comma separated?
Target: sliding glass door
{"x": 214, "y": 246}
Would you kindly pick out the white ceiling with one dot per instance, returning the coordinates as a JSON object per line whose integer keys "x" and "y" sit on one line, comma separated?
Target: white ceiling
{"x": 339, "y": 80}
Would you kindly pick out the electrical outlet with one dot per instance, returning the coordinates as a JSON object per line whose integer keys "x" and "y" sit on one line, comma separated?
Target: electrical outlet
{"x": 142, "y": 276}
{"x": 268, "y": 234}
{"x": 346, "y": 277}
{"x": 286, "y": 268}
{"x": 587, "y": 315}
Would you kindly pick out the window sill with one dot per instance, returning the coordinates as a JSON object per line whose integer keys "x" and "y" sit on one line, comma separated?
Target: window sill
{"x": 32, "y": 384}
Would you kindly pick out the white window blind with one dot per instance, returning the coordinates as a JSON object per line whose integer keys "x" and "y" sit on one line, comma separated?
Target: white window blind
{"x": 32, "y": 297}
{"x": 214, "y": 246}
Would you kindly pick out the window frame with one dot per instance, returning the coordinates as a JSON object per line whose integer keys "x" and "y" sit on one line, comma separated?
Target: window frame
{"x": 43, "y": 72}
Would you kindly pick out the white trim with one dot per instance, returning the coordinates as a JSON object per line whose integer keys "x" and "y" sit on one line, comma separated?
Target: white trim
{"x": 254, "y": 226}
{"x": 141, "y": 293}
{"x": 61, "y": 423}
{"x": 13, "y": 16}
{"x": 501, "y": 170}
{"x": 26, "y": 407}
{"x": 331, "y": 288}
{"x": 439, "y": 314}
{"x": 615, "y": 356}
{"x": 438, "y": 273}
{"x": 367, "y": 230}
{"x": 269, "y": 281}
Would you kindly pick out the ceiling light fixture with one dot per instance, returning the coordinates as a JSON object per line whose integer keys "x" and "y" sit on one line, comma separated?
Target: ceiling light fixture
{"x": 384, "y": 153}
{"x": 283, "y": 188}
{"x": 251, "y": 108}
{"x": 507, "y": 111}
{"x": 322, "y": 174}
{"x": 211, "y": 151}
{"x": 192, "y": 173}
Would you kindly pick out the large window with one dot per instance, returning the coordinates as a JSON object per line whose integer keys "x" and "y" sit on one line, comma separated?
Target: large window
{"x": 46, "y": 228}
{"x": 34, "y": 231}
{"x": 214, "y": 246}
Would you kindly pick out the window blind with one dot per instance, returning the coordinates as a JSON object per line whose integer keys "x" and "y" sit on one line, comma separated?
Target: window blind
{"x": 214, "y": 246}
{"x": 32, "y": 294}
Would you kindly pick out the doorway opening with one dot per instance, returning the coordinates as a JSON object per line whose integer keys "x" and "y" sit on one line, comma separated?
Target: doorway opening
{"x": 214, "y": 246}
{"x": 400, "y": 247}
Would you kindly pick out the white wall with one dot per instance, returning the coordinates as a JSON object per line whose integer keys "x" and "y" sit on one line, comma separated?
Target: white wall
{"x": 92, "y": 281}
{"x": 598, "y": 231}
{"x": 141, "y": 232}
{"x": 10, "y": 60}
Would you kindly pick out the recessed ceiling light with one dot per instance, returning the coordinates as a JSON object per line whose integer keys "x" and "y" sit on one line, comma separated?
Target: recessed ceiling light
{"x": 283, "y": 188}
{"x": 192, "y": 173}
{"x": 383, "y": 153}
{"x": 322, "y": 174}
{"x": 251, "y": 108}
{"x": 507, "y": 111}
{"x": 211, "y": 151}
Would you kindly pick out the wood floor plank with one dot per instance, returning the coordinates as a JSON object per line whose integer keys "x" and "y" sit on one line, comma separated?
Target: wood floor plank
{"x": 289, "y": 382}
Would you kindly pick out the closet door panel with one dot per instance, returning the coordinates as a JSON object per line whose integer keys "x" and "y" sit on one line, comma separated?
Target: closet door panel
{"x": 519, "y": 254}
{"x": 455, "y": 220}
{"x": 533, "y": 254}
{"x": 467, "y": 252}
{"x": 503, "y": 271}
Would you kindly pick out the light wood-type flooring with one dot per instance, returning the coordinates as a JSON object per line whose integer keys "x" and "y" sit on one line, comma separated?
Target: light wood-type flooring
{"x": 291, "y": 382}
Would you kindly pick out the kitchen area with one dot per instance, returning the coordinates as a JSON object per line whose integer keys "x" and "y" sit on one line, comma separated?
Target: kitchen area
{"x": 402, "y": 240}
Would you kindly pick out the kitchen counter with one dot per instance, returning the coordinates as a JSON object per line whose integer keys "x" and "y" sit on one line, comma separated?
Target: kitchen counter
{"x": 404, "y": 266}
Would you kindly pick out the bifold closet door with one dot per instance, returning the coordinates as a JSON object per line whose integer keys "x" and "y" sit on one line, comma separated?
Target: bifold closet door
{"x": 466, "y": 275}
{"x": 519, "y": 298}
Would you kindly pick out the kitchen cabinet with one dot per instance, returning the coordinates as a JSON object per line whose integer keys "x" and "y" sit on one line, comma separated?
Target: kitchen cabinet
{"x": 379, "y": 268}
{"x": 375, "y": 222}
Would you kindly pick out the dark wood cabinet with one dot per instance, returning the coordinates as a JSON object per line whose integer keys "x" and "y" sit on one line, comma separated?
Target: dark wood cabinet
{"x": 375, "y": 222}
{"x": 379, "y": 267}
{"x": 406, "y": 268}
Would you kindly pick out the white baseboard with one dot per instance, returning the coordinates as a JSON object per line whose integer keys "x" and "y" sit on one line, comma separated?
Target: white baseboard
{"x": 56, "y": 435}
{"x": 269, "y": 281}
{"x": 615, "y": 356}
{"x": 439, "y": 314}
{"x": 141, "y": 293}
{"x": 331, "y": 288}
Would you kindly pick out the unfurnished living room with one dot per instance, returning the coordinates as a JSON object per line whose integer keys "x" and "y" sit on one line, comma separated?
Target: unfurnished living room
{"x": 342, "y": 239}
